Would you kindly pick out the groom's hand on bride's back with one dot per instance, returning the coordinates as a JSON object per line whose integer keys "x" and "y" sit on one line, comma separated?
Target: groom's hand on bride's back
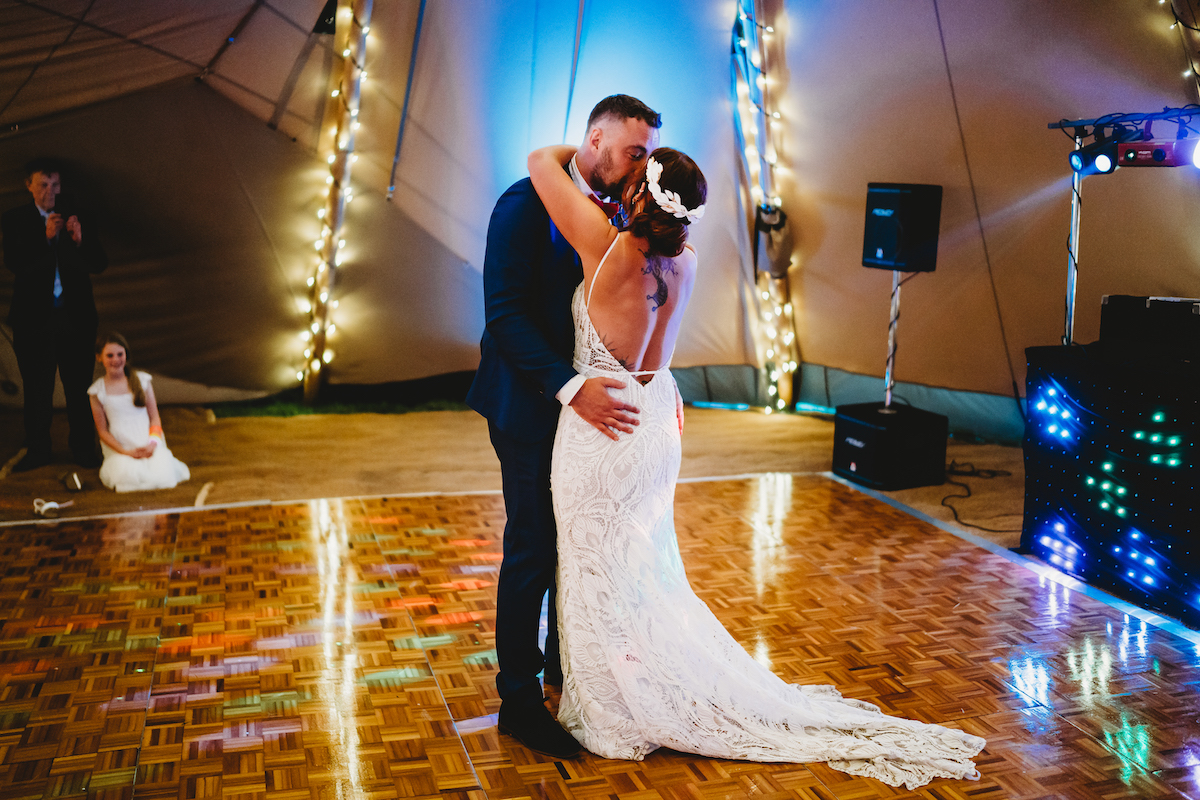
{"x": 607, "y": 414}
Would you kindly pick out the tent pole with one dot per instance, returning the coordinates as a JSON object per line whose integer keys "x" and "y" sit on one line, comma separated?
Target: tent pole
{"x": 412, "y": 68}
{"x": 348, "y": 93}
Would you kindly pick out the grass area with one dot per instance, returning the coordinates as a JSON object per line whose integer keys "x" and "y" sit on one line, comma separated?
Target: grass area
{"x": 274, "y": 407}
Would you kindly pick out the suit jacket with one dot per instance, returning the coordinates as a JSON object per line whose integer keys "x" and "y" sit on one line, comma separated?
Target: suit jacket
{"x": 529, "y": 276}
{"x": 31, "y": 258}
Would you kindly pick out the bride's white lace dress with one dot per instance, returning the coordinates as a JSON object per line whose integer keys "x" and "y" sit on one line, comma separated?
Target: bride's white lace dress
{"x": 645, "y": 663}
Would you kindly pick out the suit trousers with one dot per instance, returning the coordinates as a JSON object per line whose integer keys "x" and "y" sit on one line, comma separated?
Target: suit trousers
{"x": 527, "y": 571}
{"x": 64, "y": 346}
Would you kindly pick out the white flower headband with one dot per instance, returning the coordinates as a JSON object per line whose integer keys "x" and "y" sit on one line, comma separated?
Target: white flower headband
{"x": 667, "y": 200}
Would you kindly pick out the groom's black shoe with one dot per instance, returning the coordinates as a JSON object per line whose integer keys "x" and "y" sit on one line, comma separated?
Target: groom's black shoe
{"x": 534, "y": 727}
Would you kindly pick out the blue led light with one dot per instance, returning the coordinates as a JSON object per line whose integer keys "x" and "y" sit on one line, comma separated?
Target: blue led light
{"x": 1052, "y": 392}
{"x": 1053, "y": 429}
{"x": 1148, "y": 580}
{"x": 1136, "y": 535}
{"x": 1117, "y": 549}
{"x": 1041, "y": 406}
{"x": 1149, "y": 561}
{"x": 1129, "y": 574}
{"x": 1065, "y": 415}
{"x": 1064, "y": 433}
{"x": 1058, "y": 526}
{"x": 1053, "y": 409}
{"x": 1045, "y": 540}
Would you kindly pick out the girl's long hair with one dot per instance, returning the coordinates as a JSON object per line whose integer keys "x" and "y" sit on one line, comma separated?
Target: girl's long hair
{"x": 135, "y": 385}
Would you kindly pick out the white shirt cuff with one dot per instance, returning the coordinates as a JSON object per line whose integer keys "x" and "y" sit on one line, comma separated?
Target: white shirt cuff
{"x": 567, "y": 393}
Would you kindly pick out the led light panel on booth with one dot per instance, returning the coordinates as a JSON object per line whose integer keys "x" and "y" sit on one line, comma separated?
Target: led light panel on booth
{"x": 1111, "y": 489}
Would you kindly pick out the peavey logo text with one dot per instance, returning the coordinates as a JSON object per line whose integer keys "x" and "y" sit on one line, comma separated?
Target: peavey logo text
{"x": 850, "y": 440}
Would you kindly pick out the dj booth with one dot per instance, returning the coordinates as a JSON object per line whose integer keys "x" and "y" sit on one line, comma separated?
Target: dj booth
{"x": 1111, "y": 480}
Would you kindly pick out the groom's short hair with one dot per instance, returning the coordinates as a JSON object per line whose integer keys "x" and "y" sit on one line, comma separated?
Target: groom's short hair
{"x": 622, "y": 106}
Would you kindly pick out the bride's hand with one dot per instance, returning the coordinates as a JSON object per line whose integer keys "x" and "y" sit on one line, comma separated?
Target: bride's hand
{"x": 601, "y": 410}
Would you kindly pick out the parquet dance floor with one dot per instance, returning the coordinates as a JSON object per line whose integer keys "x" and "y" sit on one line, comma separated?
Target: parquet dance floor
{"x": 344, "y": 648}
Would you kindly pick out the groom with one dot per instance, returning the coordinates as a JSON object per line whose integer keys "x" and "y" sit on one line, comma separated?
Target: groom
{"x": 525, "y": 377}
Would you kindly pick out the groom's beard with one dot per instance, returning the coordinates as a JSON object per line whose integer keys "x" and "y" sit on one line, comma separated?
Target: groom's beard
{"x": 603, "y": 181}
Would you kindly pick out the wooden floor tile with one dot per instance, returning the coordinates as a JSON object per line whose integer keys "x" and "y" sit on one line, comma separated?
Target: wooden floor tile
{"x": 346, "y": 648}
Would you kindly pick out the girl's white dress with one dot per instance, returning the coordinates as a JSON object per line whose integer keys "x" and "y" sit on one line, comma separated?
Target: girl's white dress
{"x": 130, "y": 425}
{"x": 646, "y": 664}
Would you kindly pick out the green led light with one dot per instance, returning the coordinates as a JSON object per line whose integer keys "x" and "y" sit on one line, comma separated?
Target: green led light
{"x": 1120, "y": 511}
{"x": 1174, "y": 440}
{"x": 1173, "y": 462}
{"x": 1158, "y": 417}
{"x": 1106, "y": 466}
{"x": 1139, "y": 435}
{"x": 1155, "y": 459}
{"x": 1104, "y": 505}
{"x": 1156, "y": 437}
{"x": 1091, "y": 481}
{"x": 1120, "y": 490}
{"x": 1106, "y": 486}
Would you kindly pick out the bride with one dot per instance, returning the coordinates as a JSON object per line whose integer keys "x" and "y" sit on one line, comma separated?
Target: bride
{"x": 645, "y": 663}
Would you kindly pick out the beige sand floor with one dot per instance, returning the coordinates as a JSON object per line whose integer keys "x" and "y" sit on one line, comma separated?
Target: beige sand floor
{"x": 247, "y": 459}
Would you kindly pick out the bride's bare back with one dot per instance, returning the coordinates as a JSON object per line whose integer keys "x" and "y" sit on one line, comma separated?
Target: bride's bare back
{"x": 636, "y": 303}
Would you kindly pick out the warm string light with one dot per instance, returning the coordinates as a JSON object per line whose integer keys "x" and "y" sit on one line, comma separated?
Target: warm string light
{"x": 757, "y": 126}
{"x": 347, "y": 94}
{"x": 1183, "y": 27}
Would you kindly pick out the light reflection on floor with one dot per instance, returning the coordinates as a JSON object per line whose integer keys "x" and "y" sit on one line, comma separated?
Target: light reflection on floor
{"x": 343, "y": 648}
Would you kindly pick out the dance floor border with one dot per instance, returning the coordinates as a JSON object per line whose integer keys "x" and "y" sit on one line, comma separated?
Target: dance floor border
{"x": 1040, "y": 569}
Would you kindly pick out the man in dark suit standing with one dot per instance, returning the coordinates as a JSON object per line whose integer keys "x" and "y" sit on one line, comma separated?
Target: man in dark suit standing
{"x": 53, "y": 315}
{"x": 525, "y": 377}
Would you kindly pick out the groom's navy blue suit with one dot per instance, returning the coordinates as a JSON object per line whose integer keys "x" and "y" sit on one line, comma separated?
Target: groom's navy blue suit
{"x": 529, "y": 276}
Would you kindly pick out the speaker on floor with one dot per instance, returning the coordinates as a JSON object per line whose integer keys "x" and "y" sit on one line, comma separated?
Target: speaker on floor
{"x": 892, "y": 447}
{"x": 901, "y": 231}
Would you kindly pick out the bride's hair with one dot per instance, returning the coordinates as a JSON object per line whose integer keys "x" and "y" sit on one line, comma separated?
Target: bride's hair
{"x": 665, "y": 232}
{"x": 135, "y": 385}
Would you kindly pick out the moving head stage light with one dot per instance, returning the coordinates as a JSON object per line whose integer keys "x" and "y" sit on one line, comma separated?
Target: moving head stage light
{"x": 1127, "y": 140}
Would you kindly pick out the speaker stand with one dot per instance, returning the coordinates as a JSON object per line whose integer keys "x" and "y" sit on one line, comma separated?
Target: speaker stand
{"x": 889, "y": 378}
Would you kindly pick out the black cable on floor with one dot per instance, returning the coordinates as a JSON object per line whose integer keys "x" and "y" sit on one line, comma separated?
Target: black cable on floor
{"x": 968, "y": 470}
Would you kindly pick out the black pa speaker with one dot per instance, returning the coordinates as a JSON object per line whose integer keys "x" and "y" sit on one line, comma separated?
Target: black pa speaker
{"x": 896, "y": 447}
{"x": 901, "y": 231}
{"x": 1150, "y": 328}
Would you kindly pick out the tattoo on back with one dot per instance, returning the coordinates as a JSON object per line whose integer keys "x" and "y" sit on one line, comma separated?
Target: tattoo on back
{"x": 656, "y": 265}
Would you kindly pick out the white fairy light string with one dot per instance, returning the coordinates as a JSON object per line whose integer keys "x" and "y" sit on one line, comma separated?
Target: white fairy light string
{"x": 756, "y": 123}
{"x": 346, "y": 93}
